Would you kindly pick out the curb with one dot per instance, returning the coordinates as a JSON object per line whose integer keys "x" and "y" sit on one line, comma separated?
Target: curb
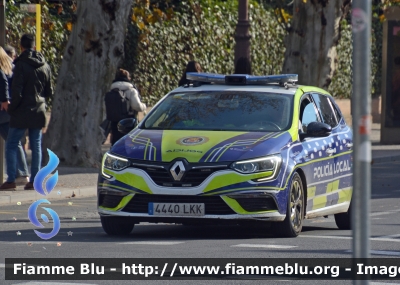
{"x": 13, "y": 197}
{"x": 384, "y": 159}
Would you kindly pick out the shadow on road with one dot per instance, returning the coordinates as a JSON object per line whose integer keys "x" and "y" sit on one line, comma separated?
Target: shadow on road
{"x": 156, "y": 232}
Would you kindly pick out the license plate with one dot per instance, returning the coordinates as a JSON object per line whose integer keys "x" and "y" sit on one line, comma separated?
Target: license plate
{"x": 176, "y": 209}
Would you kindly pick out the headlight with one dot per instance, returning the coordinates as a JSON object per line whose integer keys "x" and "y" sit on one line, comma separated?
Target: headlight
{"x": 269, "y": 163}
{"x": 114, "y": 163}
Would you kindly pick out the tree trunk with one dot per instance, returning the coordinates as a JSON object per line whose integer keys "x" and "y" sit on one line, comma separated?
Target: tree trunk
{"x": 94, "y": 51}
{"x": 312, "y": 40}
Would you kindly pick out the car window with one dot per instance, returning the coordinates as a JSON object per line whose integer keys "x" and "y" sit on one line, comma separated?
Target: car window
{"x": 336, "y": 110}
{"x": 309, "y": 114}
{"x": 222, "y": 111}
{"x": 325, "y": 108}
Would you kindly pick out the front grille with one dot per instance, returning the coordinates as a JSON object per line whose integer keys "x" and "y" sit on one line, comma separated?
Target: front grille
{"x": 192, "y": 177}
{"x": 109, "y": 201}
{"x": 257, "y": 204}
{"x": 214, "y": 205}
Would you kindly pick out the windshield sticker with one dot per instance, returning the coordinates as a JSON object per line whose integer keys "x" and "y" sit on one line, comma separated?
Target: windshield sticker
{"x": 192, "y": 140}
{"x": 245, "y": 148}
{"x": 184, "y": 150}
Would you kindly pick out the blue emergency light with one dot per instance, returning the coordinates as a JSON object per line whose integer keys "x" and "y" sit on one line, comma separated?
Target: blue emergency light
{"x": 242, "y": 79}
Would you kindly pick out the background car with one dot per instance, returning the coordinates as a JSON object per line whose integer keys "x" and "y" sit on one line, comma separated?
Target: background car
{"x": 235, "y": 148}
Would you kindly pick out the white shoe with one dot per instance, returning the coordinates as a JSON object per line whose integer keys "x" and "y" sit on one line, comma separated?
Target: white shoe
{"x": 22, "y": 180}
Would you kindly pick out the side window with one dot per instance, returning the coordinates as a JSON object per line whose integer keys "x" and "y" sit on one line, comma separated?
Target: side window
{"x": 336, "y": 110}
{"x": 325, "y": 108}
{"x": 309, "y": 114}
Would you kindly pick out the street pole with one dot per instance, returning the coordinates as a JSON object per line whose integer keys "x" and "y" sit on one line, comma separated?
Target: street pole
{"x": 361, "y": 109}
{"x": 2, "y": 43}
{"x": 242, "y": 32}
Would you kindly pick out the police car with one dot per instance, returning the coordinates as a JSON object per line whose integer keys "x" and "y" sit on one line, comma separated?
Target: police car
{"x": 231, "y": 148}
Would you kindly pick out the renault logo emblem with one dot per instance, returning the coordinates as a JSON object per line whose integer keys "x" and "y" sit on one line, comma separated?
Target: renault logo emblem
{"x": 177, "y": 170}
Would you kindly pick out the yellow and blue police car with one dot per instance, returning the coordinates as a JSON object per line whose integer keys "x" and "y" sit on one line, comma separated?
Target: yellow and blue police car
{"x": 229, "y": 148}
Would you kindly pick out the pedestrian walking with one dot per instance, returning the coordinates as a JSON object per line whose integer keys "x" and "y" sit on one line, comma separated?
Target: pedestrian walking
{"x": 30, "y": 87}
{"x": 5, "y": 79}
{"x": 192, "y": 66}
{"x": 124, "y": 93}
{"x": 10, "y": 50}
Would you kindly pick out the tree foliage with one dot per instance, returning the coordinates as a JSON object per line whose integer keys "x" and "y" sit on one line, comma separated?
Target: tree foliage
{"x": 163, "y": 35}
{"x": 161, "y": 42}
{"x": 54, "y": 32}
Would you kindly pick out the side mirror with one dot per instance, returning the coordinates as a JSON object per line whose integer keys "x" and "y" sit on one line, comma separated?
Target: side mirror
{"x": 316, "y": 129}
{"x": 126, "y": 125}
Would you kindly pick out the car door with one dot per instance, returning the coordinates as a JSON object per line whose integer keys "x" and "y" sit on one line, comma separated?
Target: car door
{"x": 318, "y": 165}
{"x": 343, "y": 159}
{"x": 338, "y": 147}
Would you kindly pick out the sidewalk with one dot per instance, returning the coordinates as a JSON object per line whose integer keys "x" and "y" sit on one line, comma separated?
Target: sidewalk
{"x": 382, "y": 153}
{"x": 76, "y": 182}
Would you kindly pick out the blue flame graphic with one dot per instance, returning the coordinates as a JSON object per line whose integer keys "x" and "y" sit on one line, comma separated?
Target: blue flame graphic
{"x": 41, "y": 175}
{"x": 32, "y": 217}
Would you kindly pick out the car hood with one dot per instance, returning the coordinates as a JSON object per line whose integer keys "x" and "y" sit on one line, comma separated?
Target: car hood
{"x": 199, "y": 146}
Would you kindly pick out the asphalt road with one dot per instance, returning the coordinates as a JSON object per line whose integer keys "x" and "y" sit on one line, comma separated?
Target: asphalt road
{"x": 320, "y": 237}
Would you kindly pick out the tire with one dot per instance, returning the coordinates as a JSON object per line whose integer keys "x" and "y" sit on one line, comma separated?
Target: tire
{"x": 116, "y": 225}
{"x": 293, "y": 223}
{"x": 343, "y": 220}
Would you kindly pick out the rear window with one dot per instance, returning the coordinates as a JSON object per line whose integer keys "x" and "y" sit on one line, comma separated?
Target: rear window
{"x": 222, "y": 111}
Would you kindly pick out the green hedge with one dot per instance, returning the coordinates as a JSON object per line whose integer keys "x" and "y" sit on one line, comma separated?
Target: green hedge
{"x": 341, "y": 85}
{"x": 54, "y": 33}
{"x": 157, "y": 51}
{"x": 160, "y": 41}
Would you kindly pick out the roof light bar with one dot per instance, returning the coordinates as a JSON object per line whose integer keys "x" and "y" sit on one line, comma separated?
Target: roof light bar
{"x": 206, "y": 77}
{"x": 242, "y": 79}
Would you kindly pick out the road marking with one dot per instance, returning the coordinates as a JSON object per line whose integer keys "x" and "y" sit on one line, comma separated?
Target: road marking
{"x": 264, "y": 245}
{"x": 328, "y": 237}
{"x": 153, "y": 242}
{"x": 323, "y": 221}
{"x": 379, "y": 195}
{"x": 350, "y": 238}
{"x": 33, "y": 242}
{"x": 390, "y": 236}
{"x": 52, "y": 283}
{"x": 383, "y": 283}
{"x": 2, "y": 265}
{"x": 384, "y": 213}
{"x": 381, "y": 252}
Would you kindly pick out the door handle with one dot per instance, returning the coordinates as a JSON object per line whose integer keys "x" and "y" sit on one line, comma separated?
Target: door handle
{"x": 330, "y": 151}
{"x": 349, "y": 145}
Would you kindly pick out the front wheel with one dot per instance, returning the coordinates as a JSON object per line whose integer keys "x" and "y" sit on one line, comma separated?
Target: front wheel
{"x": 116, "y": 225}
{"x": 293, "y": 223}
{"x": 343, "y": 220}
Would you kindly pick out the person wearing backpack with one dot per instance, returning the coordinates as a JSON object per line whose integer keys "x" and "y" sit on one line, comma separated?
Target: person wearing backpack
{"x": 122, "y": 101}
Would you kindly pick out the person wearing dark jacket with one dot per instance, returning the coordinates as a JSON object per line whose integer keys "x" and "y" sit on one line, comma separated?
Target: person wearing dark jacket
{"x": 30, "y": 87}
{"x": 192, "y": 66}
{"x": 5, "y": 79}
{"x": 122, "y": 82}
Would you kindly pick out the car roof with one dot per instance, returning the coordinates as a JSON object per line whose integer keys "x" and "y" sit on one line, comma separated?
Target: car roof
{"x": 271, "y": 88}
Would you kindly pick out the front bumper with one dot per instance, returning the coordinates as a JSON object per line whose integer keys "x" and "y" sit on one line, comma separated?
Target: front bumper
{"x": 254, "y": 205}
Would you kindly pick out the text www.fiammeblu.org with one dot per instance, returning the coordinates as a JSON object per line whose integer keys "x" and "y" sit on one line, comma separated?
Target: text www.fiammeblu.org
{"x": 233, "y": 269}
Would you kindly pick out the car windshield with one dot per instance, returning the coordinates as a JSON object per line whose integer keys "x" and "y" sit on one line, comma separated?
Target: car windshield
{"x": 222, "y": 111}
